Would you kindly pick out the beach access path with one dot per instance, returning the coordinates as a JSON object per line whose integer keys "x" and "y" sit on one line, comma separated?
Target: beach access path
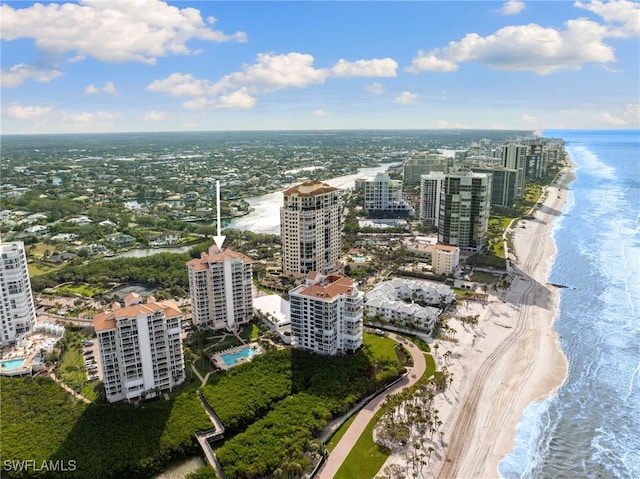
{"x": 346, "y": 443}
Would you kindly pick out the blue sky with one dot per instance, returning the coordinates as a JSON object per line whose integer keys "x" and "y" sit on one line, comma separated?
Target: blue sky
{"x": 151, "y": 65}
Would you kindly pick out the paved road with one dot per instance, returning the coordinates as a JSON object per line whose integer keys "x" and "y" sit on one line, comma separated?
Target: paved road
{"x": 343, "y": 448}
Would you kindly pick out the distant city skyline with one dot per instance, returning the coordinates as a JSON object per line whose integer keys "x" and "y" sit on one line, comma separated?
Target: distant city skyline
{"x": 150, "y": 65}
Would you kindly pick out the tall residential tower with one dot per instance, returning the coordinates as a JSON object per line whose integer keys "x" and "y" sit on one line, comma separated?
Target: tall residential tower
{"x": 310, "y": 229}
{"x": 464, "y": 210}
{"x": 220, "y": 289}
{"x": 17, "y": 311}
{"x": 141, "y": 350}
{"x": 326, "y": 314}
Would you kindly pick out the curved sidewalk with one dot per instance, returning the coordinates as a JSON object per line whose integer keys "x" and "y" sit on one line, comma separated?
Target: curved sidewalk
{"x": 343, "y": 448}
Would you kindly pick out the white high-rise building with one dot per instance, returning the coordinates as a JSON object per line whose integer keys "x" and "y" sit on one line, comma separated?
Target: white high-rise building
{"x": 465, "y": 204}
{"x": 326, "y": 314}
{"x": 430, "y": 188}
{"x": 310, "y": 229}
{"x": 141, "y": 350}
{"x": 17, "y": 311}
{"x": 381, "y": 193}
{"x": 220, "y": 289}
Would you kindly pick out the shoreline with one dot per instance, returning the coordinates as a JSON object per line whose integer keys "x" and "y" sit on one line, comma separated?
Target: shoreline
{"x": 511, "y": 358}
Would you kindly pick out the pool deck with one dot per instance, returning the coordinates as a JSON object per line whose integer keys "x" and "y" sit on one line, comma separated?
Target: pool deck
{"x": 217, "y": 358}
{"x": 33, "y": 343}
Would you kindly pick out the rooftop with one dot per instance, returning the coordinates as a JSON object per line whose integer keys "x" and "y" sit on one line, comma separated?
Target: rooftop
{"x": 216, "y": 255}
{"x": 309, "y": 188}
{"x": 108, "y": 319}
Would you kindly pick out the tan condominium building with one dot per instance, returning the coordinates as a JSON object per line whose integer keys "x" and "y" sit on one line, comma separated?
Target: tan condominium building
{"x": 326, "y": 314}
{"x": 220, "y": 289}
{"x": 310, "y": 229}
{"x": 445, "y": 259}
{"x": 140, "y": 349}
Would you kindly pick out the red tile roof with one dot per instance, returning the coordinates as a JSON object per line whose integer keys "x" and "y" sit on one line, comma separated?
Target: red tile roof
{"x": 309, "y": 188}
{"x": 107, "y": 320}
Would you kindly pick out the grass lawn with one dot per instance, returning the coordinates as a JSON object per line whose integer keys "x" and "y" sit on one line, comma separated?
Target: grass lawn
{"x": 366, "y": 458}
{"x": 250, "y": 332}
{"x": 86, "y": 290}
{"x": 71, "y": 371}
{"x": 36, "y": 269}
{"x": 380, "y": 346}
{"x": 482, "y": 277}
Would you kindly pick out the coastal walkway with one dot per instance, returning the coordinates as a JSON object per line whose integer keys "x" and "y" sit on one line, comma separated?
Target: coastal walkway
{"x": 344, "y": 446}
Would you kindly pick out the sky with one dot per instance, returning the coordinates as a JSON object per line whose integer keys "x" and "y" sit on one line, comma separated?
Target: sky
{"x": 152, "y": 65}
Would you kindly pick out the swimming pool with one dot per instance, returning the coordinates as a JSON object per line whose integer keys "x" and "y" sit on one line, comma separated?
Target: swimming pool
{"x": 231, "y": 359}
{"x": 11, "y": 364}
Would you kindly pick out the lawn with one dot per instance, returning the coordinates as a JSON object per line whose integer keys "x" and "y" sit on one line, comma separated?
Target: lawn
{"x": 86, "y": 290}
{"x": 381, "y": 347}
{"x": 250, "y": 332}
{"x": 37, "y": 269}
{"x": 366, "y": 458}
{"x": 71, "y": 369}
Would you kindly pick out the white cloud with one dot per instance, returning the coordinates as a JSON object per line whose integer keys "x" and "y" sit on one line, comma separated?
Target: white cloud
{"x": 512, "y": 7}
{"x": 623, "y": 13}
{"x": 406, "y": 97}
{"x": 320, "y": 113}
{"x": 527, "y": 117}
{"x": 534, "y": 48}
{"x": 613, "y": 120}
{"x": 113, "y": 32}
{"x": 155, "y": 115}
{"x": 179, "y": 84}
{"x": 90, "y": 118}
{"x": 273, "y": 72}
{"x": 632, "y": 114}
{"x": 376, "y": 88}
{"x": 237, "y": 99}
{"x": 19, "y": 112}
{"x": 430, "y": 62}
{"x": 383, "y": 67}
{"x": 108, "y": 87}
{"x": 20, "y": 73}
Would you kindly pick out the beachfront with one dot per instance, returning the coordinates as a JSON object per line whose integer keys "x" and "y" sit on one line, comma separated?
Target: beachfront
{"x": 511, "y": 358}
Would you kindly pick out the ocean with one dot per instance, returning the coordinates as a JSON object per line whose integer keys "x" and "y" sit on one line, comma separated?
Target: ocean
{"x": 591, "y": 427}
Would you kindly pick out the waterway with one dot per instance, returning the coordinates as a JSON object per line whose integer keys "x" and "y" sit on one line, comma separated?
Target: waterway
{"x": 180, "y": 469}
{"x": 265, "y": 209}
{"x": 264, "y": 216}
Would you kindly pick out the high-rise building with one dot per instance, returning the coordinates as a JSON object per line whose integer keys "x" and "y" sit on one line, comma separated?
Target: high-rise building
{"x": 17, "y": 311}
{"x": 326, "y": 314}
{"x": 503, "y": 184}
{"x": 140, "y": 349}
{"x": 310, "y": 229}
{"x": 514, "y": 157}
{"x": 430, "y": 189}
{"x": 464, "y": 210}
{"x": 536, "y": 164}
{"x": 422, "y": 163}
{"x": 220, "y": 289}
{"x": 381, "y": 193}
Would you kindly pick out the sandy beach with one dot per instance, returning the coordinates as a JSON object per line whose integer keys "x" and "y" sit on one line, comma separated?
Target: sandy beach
{"x": 509, "y": 359}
